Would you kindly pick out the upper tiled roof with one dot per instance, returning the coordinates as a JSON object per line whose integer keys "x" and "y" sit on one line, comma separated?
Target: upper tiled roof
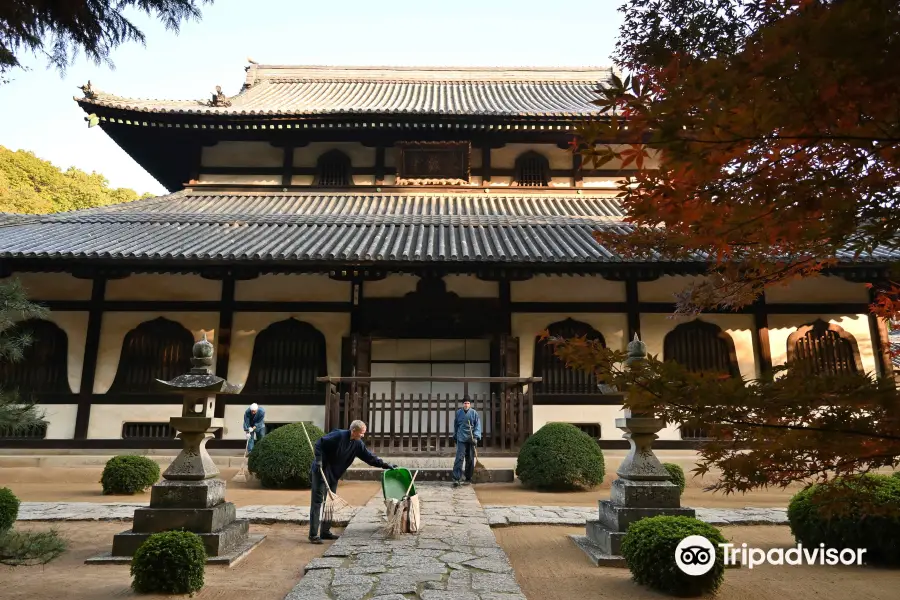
{"x": 299, "y": 91}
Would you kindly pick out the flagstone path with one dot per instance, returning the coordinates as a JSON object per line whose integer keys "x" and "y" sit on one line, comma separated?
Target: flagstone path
{"x": 455, "y": 556}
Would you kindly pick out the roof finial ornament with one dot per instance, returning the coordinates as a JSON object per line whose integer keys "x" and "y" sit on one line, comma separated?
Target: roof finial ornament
{"x": 87, "y": 90}
{"x": 637, "y": 351}
{"x": 251, "y": 61}
{"x": 219, "y": 99}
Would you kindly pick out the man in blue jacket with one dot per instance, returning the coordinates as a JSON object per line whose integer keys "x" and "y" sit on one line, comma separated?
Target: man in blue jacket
{"x": 335, "y": 453}
{"x": 254, "y": 424}
{"x": 467, "y": 433}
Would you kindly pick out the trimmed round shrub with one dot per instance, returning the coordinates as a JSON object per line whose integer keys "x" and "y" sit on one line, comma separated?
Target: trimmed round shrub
{"x": 559, "y": 456}
{"x": 9, "y": 509}
{"x": 649, "y": 551}
{"x": 128, "y": 474}
{"x": 172, "y": 562}
{"x": 676, "y": 474}
{"x": 867, "y": 519}
{"x": 282, "y": 458}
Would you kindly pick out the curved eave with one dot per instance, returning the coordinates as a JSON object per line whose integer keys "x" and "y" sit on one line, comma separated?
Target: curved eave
{"x": 211, "y": 116}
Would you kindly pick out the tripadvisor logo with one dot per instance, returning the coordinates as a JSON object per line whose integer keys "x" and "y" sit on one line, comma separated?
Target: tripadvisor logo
{"x": 696, "y": 555}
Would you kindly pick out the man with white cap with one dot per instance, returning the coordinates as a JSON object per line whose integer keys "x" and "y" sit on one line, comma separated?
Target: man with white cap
{"x": 254, "y": 424}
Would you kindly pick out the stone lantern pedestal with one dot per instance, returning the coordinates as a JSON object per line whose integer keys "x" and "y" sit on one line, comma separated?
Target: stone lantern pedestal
{"x": 642, "y": 490}
{"x": 191, "y": 497}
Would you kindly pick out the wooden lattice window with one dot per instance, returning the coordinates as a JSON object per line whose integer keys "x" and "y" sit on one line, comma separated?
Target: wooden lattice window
{"x": 42, "y": 368}
{"x": 147, "y": 431}
{"x": 532, "y": 170}
{"x": 701, "y": 347}
{"x": 557, "y": 378}
{"x": 333, "y": 170}
{"x": 822, "y": 348}
{"x": 288, "y": 356}
{"x": 157, "y": 349}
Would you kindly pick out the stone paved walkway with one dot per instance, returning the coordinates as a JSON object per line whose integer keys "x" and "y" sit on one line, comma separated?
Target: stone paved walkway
{"x": 497, "y": 516}
{"x": 504, "y": 516}
{"x": 455, "y": 556}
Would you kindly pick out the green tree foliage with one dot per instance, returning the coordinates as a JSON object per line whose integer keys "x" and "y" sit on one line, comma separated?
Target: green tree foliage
{"x": 30, "y": 185}
{"x": 60, "y": 30}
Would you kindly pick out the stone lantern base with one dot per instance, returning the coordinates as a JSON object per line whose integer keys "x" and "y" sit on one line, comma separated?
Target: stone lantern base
{"x": 188, "y": 504}
{"x": 642, "y": 490}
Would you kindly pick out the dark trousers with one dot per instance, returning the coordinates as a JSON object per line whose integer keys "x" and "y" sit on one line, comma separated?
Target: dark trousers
{"x": 317, "y": 500}
{"x": 464, "y": 450}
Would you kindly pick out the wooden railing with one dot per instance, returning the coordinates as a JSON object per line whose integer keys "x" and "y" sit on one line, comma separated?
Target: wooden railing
{"x": 423, "y": 423}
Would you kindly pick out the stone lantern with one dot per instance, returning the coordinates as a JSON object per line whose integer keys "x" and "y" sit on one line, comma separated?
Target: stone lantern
{"x": 643, "y": 488}
{"x": 191, "y": 497}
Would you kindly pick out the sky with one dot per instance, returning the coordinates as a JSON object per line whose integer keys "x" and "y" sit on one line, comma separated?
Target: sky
{"x": 41, "y": 116}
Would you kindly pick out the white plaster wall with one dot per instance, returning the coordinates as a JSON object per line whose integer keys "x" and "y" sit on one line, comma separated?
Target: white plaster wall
{"x": 560, "y": 182}
{"x": 390, "y": 179}
{"x": 363, "y": 179}
{"x": 292, "y": 288}
{"x": 475, "y": 158}
{"x": 654, "y": 328}
{"x": 601, "y": 182}
{"x": 234, "y": 417}
{"x": 526, "y": 326}
{"x": 107, "y": 419}
{"x": 163, "y": 287}
{"x": 558, "y": 288}
{"x": 782, "y": 326}
{"x": 60, "y": 420}
{"x": 664, "y": 288}
{"x": 469, "y": 286}
{"x": 505, "y": 158}
{"x": 52, "y": 286}
{"x": 816, "y": 290}
{"x": 221, "y": 179}
{"x": 392, "y": 286}
{"x": 360, "y": 156}
{"x": 116, "y": 325}
{"x": 242, "y": 154}
{"x": 606, "y": 415}
{"x": 334, "y": 326}
{"x": 302, "y": 179}
{"x": 75, "y": 326}
{"x": 501, "y": 180}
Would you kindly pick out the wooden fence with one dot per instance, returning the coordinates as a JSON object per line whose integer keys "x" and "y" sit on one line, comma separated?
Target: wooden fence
{"x": 423, "y": 423}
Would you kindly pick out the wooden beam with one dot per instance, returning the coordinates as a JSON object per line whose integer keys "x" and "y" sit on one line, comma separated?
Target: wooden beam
{"x": 761, "y": 347}
{"x": 633, "y": 308}
{"x": 486, "y": 170}
{"x": 89, "y": 361}
{"x": 356, "y": 303}
{"x": 577, "y": 176}
{"x": 505, "y": 293}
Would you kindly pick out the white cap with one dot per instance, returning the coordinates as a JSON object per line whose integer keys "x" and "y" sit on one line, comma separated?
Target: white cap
{"x": 254, "y": 406}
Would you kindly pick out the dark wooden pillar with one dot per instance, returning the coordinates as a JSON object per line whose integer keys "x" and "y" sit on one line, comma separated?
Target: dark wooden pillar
{"x": 577, "y": 179}
{"x": 89, "y": 364}
{"x": 223, "y": 337}
{"x": 632, "y": 301}
{"x": 379, "y": 165}
{"x": 761, "y": 336}
{"x": 485, "y": 164}
{"x": 881, "y": 347}
{"x": 356, "y": 302}
{"x": 287, "y": 169}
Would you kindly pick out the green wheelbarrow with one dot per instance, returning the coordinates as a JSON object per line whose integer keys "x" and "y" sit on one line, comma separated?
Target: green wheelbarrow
{"x": 401, "y": 502}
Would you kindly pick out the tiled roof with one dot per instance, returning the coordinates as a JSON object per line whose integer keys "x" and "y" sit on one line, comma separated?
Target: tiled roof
{"x": 299, "y": 91}
{"x": 552, "y": 227}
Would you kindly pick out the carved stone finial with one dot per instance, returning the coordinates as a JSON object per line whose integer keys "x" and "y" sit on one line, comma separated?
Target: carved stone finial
{"x": 637, "y": 351}
{"x": 87, "y": 90}
{"x": 219, "y": 99}
{"x": 202, "y": 353}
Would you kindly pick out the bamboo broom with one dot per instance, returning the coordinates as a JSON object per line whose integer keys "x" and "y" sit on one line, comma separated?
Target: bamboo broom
{"x": 481, "y": 472}
{"x": 392, "y": 528}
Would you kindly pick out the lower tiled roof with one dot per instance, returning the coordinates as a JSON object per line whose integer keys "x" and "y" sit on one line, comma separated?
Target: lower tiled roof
{"x": 414, "y": 227}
